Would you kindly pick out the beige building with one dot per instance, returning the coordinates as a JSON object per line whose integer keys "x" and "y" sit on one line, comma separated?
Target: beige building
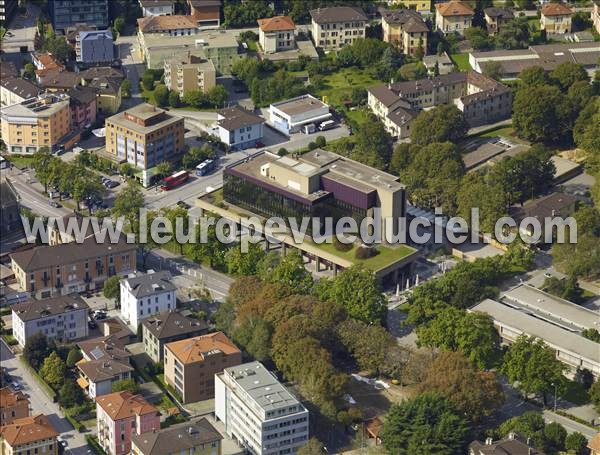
{"x": 15, "y": 90}
{"x": 276, "y": 34}
{"x": 596, "y": 15}
{"x": 406, "y": 29}
{"x": 191, "y": 73}
{"x": 191, "y": 364}
{"x": 453, "y": 17}
{"x": 335, "y": 27}
{"x": 496, "y": 18}
{"x": 29, "y": 435}
{"x": 37, "y": 122}
{"x": 556, "y": 18}
{"x": 422, "y": 6}
{"x": 144, "y": 136}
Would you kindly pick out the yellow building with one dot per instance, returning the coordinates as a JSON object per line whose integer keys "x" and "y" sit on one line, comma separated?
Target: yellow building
{"x": 338, "y": 26}
{"x": 29, "y": 435}
{"x": 144, "y": 136}
{"x": 43, "y": 121}
{"x": 406, "y": 29}
{"x": 422, "y": 6}
{"x": 556, "y": 18}
{"x": 191, "y": 73}
{"x": 107, "y": 83}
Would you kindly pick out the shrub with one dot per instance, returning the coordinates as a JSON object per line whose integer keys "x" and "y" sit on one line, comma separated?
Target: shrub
{"x": 341, "y": 246}
{"x": 365, "y": 252}
{"x": 282, "y": 151}
{"x": 321, "y": 141}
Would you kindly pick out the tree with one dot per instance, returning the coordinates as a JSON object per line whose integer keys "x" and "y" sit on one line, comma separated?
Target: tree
{"x": 244, "y": 263}
{"x": 567, "y": 289}
{"x": 70, "y": 395}
{"x": 474, "y": 393}
{"x": 53, "y": 370}
{"x": 594, "y": 394}
{"x": 493, "y": 70}
{"x": 440, "y": 124}
{"x": 148, "y": 81}
{"x": 36, "y": 350}
{"x": 195, "y": 98}
{"x": 373, "y": 144}
{"x": 112, "y": 288}
{"x": 412, "y": 71}
{"x": 195, "y": 155}
{"x": 161, "y": 95}
{"x": 479, "y": 38}
{"x": 126, "y": 88}
{"x": 581, "y": 259}
{"x": 515, "y": 34}
{"x": 29, "y": 71}
{"x": 118, "y": 25}
{"x": 125, "y": 385}
{"x": 580, "y": 93}
{"x": 128, "y": 204}
{"x": 423, "y": 425}
{"x": 174, "y": 100}
{"x": 554, "y": 435}
{"x": 567, "y": 73}
{"x": 312, "y": 447}
{"x": 163, "y": 169}
{"x": 534, "y": 365}
{"x": 475, "y": 192}
{"x": 576, "y": 443}
{"x": 41, "y": 162}
{"x": 74, "y": 356}
{"x": 534, "y": 75}
{"x": 217, "y": 95}
{"x": 368, "y": 344}
{"x": 291, "y": 272}
{"x": 57, "y": 46}
{"x": 591, "y": 334}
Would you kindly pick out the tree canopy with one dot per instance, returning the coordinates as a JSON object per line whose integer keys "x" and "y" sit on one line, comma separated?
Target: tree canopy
{"x": 440, "y": 124}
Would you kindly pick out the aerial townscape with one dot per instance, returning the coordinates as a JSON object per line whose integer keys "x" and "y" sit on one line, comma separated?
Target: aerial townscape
{"x": 300, "y": 227}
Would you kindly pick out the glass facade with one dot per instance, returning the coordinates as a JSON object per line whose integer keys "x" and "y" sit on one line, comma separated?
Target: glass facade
{"x": 65, "y": 13}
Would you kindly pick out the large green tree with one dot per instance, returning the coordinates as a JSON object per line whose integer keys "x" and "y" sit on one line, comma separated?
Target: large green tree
{"x": 36, "y": 350}
{"x": 70, "y": 394}
{"x": 580, "y": 259}
{"x": 440, "y": 124}
{"x": 128, "y": 204}
{"x": 53, "y": 370}
{"x": 489, "y": 199}
{"x": 292, "y": 273}
{"x": 567, "y": 73}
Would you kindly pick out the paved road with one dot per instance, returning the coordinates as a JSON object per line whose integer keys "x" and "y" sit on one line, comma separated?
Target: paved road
{"x": 41, "y": 403}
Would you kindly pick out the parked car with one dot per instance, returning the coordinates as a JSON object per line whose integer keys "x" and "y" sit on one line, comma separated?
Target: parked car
{"x": 55, "y": 204}
{"x": 183, "y": 204}
{"x": 15, "y": 385}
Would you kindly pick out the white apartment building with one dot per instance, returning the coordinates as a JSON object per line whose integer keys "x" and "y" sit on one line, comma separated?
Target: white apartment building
{"x": 143, "y": 295}
{"x": 62, "y": 318}
{"x": 239, "y": 128}
{"x": 335, "y": 27}
{"x": 258, "y": 411}
{"x": 157, "y": 7}
{"x": 276, "y": 34}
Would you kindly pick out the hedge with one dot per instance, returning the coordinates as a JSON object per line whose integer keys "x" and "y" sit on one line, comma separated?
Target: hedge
{"x": 94, "y": 445}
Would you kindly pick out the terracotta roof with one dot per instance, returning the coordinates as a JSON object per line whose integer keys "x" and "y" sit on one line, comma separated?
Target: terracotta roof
{"x": 594, "y": 444}
{"x": 556, "y": 9}
{"x": 159, "y": 23}
{"x": 57, "y": 78}
{"x": 454, "y": 9}
{"x": 195, "y": 349}
{"x": 8, "y": 398}
{"x": 120, "y": 405}
{"x": 337, "y": 14}
{"x": 277, "y": 23}
{"x": 48, "y": 61}
{"x": 28, "y": 430}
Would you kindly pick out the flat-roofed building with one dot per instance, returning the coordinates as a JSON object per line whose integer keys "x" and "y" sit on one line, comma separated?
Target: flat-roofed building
{"x": 276, "y": 34}
{"x": 166, "y": 327}
{"x": 453, "y": 17}
{"x": 239, "y": 128}
{"x": 192, "y": 73}
{"x": 496, "y": 18}
{"x": 157, "y": 7}
{"x": 443, "y": 62}
{"x": 197, "y": 436}
{"x": 206, "y": 13}
{"x": 144, "y": 136}
{"x": 335, "y": 27}
{"x": 258, "y": 411}
{"x": 190, "y": 364}
{"x": 43, "y": 121}
{"x": 291, "y": 115}
{"x": 547, "y": 56}
{"x": 35, "y": 434}
{"x": 571, "y": 348}
{"x": 406, "y": 29}
{"x": 555, "y": 18}
{"x": 62, "y": 318}
{"x": 65, "y": 13}
{"x": 13, "y": 405}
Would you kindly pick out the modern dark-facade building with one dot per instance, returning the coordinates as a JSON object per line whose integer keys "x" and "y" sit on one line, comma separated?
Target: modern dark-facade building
{"x": 65, "y": 13}
{"x": 8, "y": 9}
{"x": 317, "y": 184}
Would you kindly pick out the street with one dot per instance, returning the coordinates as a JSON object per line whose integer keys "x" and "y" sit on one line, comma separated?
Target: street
{"x": 41, "y": 403}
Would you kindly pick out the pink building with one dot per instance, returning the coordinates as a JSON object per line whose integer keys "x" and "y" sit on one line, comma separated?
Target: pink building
{"x": 120, "y": 415}
{"x": 82, "y": 103}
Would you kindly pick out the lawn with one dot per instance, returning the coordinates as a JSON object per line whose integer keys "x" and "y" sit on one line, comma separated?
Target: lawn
{"x": 20, "y": 161}
{"x": 358, "y": 116}
{"x": 338, "y": 86}
{"x": 504, "y": 131}
{"x": 461, "y": 61}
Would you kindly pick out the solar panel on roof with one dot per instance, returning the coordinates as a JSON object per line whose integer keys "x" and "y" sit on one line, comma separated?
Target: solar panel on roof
{"x": 96, "y": 353}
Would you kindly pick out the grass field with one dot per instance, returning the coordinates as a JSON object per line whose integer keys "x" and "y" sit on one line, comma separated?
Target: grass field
{"x": 505, "y": 131}
{"x": 385, "y": 256}
{"x": 461, "y": 61}
{"x": 338, "y": 86}
{"x": 359, "y": 116}
{"x": 20, "y": 161}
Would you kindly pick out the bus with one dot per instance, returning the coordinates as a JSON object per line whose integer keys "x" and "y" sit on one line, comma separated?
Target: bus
{"x": 174, "y": 180}
{"x": 205, "y": 167}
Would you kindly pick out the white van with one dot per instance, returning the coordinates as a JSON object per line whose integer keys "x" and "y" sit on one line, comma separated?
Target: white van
{"x": 327, "y": 125}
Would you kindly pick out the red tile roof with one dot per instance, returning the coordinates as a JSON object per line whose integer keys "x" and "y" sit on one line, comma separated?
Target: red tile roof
{"x": 28, "y": 430}
{"x": 556, "y": 9}
{"x": 120, "y": 405}
{"x": 277, "y": 23}
{"x": 454, "y": 9}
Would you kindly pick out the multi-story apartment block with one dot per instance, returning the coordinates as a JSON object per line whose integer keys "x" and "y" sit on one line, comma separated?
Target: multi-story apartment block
{"x": 65, "y": 13}
{"x": 406, "y": 29}
{"x": 167, "y": 25}
{"x": 480, "y": 98}
{"x": 332, "y": 28}
{"x": 145, "y": 294}
{"x": 120, "y": 416}
{"x": 45, "y": 271}
{"x": 596, "y": 15}
{"x": 191, "y": 73}
{"x": 15, "y": 90}
{"x": 82, "y": 101}
{"x": 453, "y": 17}
{"x": 166, "y": 327}
{"x": 157, "y": 7}
{"x": 62, "y": 318}
{"x": 259, "y": 412}
{"x": 95, "y": 46}
{"x": 206, "y": 13}
{"x": 8, "y": 8}
{"x": 496, "y": 18}
{"x": 144, "y": 136}
{"x": 239, "y": 128}
{"x": 13, "y": 405}
{"x": 105, "y": 361}
{"x": 196, "y": 437}
{"x": 34, "y": 434}
{"x": 422, "y": 6}
{"x": 555, "y": 18}
{"x": 43, "y": 121}
{"x": 190, "y": 364}
{"x": 276, "y": 34}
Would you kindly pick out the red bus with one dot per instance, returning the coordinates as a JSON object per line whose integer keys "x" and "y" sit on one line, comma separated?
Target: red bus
{"x": 174, "y": 180}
